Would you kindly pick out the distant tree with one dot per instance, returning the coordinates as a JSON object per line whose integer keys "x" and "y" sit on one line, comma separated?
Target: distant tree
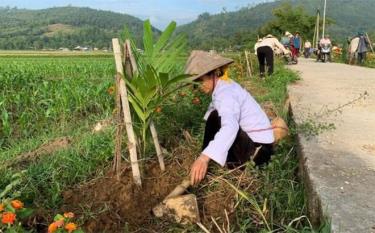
{"x": 292, "y": 19}
{"x": 204, "y": 16}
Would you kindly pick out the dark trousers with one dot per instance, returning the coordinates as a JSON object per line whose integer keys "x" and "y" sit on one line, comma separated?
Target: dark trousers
{"x": 361, "y": 57}
{"x": 265, "y": 55}
{"x": 306, "y": 52}
{"x": 243, "y": 147}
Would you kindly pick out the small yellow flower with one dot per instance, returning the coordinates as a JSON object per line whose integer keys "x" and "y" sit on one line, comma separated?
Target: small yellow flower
{"x": 17, "y": 204}
{"x": 69, "y": 215}
{"x": 8, "y": 218}
{"x": 111, "y": 90}
{"x": 59, "y": 223}
{"x": 1, "y": 207}
{"x": 52, "y": 227}
{"x": 70, "y": 227}
{"x": 158, "y": 109}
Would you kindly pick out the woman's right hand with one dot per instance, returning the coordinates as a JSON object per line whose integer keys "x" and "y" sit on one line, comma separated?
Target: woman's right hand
{"x": 199, "y": 169}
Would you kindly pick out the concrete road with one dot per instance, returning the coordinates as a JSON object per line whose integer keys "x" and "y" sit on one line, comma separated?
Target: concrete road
{"x": 338, "y": 164}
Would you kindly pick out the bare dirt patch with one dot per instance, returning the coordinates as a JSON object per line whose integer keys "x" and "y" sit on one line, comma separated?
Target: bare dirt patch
{"x": 46, "y": 148}
{"x": 115, "y": 206}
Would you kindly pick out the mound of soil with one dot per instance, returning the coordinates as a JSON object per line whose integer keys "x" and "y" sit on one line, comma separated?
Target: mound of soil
{"x": 114, "y": 206}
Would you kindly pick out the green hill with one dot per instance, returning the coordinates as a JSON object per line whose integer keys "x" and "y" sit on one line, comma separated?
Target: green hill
{"x": 73, "y": 26}
{"x": 62, "y": 27}
{"x": 237, "y": 28}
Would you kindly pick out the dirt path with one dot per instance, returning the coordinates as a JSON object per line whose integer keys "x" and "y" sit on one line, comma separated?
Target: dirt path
{"x": 339, "y": 165}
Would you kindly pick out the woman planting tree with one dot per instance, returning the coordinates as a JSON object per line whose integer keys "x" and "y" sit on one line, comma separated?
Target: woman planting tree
{"x": 237, "y": 129}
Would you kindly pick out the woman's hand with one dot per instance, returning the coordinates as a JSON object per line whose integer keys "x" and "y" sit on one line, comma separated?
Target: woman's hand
{"x": 199, "y": 169}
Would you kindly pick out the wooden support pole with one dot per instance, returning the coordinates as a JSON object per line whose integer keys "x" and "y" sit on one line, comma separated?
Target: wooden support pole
{"x": 157, "y": 146}
{"x": 134, "y": 71}
{"x": 131, "y": 57}
{"x": 126, "y": 110}
{"x": 119, "y": 130}
{"x": 248, "y": 64}
{"x": 369, "y": 41}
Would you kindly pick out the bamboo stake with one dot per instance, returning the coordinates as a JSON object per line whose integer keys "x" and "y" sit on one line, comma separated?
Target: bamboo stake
{"x": 130, "y": 55}
{"x": 248, "y": 64}
{"x": 134, "y": 71}
{"x": 317, "y": 29}
{"x": 369, "y": 41}
{"x": 127, "y": 117}
{"x": 119, "y": 129}
{"x": 157, "y": 146}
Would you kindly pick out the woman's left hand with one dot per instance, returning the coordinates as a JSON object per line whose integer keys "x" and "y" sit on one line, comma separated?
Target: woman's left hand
{"x": 199, "y": 169}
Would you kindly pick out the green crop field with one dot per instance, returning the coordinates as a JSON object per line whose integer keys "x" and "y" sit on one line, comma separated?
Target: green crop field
{"x": 46, "y": 95}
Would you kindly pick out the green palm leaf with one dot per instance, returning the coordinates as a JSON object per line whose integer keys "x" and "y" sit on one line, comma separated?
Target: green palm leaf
{"x": 159, "y": 73}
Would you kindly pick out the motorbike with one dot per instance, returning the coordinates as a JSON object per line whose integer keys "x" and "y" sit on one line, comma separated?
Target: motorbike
{"x": 325, "y": 52}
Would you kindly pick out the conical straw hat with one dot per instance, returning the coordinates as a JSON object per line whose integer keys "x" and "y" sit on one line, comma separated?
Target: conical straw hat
{"x": 201, "y": 63}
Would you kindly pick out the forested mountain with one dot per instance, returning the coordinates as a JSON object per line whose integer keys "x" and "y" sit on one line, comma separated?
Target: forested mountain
{"x": 62, "y": 27}
{"x": 237, "y": 28}
{"x": 73, "y": 26}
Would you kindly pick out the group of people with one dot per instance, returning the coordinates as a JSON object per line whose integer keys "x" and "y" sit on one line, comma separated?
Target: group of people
{"x": 292, "y": 42}
{"x": 358, "y": 47}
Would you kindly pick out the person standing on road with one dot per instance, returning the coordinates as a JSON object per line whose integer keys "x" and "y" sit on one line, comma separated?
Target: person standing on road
{"x": 307, "y": 48}
{"x": 352, "y": 49}
{"x": 265, "y": 53}
{"x": 237, "y": 129}
{"x": 363, "y": 44}
{"x": 297, "y": 42}
{"x": 285, "y": 40}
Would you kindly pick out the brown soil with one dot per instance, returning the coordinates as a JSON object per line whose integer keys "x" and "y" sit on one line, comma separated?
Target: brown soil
{"x": 114, "y": 206}
{"x": 47, "y": 148}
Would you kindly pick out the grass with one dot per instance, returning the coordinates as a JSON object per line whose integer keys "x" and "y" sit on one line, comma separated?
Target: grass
{"x": 279, "y": 203}
{"x": 48, "y": 98}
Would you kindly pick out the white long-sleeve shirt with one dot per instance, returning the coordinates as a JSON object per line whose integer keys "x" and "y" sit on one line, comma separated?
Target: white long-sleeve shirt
{"x": 307, "y": 45}
{"x": 237, "y": 108}
{"x": 273, "y": 43}
{"x": 354, "y": 45}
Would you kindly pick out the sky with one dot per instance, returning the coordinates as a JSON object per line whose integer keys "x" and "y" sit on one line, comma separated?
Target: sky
{"x": 160, "y": 12}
